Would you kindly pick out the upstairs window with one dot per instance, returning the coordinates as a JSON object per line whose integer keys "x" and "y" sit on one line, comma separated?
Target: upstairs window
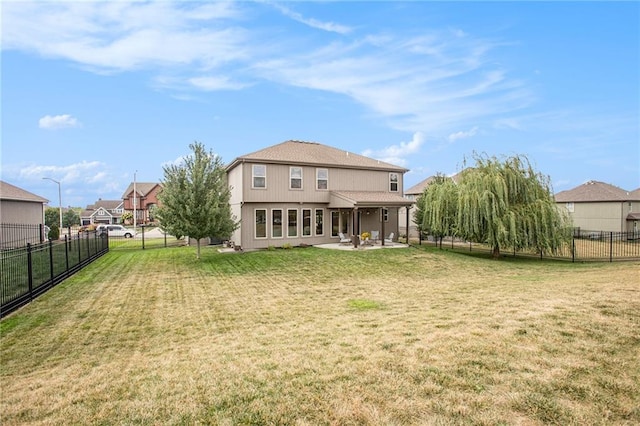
{"x": 295, "y": 177}
{"x": 393, "y": 182}
{"x": 322, "y": 179}
{"x": 259, "y": 175}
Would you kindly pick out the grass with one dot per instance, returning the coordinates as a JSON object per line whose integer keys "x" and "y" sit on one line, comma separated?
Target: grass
{"x": 311, "y": 336}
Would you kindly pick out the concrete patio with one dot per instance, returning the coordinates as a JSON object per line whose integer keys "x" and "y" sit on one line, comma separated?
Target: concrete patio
{"x": 338, "y": 246}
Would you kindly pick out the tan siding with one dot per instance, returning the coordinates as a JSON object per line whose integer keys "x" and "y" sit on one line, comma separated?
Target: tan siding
{"x": 361, "y": 180}
{"x": 22, "y": 212}
{"x": 234, "y": 180}
{"x": 604, "y": 216}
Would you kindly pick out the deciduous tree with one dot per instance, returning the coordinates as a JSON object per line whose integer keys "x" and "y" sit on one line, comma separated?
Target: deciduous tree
{"x": 194, "y": 201}
{"x": 505, "y": 204}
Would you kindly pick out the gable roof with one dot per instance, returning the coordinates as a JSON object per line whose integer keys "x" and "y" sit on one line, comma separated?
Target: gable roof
{"x": 106, "y": 204}
{"x": 419, "y": 187}
{"x": 142, "y": 188}
{"x": 313, "y": 154}
{"x": 593, "y": 191}
{"x": 11, "y": 192}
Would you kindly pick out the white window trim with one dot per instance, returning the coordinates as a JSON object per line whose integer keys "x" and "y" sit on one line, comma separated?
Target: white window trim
{"x": 331, "y": 212}
{"x": 301, "y": 178}
{"x": 297, "y": 223}
{"x": 324, "y": 224}
{"x": 255, "y": 224}
{"x": 570, "y": 207}
{"x": 318, "y": 180}
{"x": 253, "y": 176}
{"x": 311, "y": 222}
{"x": 281, "y": 224}
{"x": 397, "y": 182}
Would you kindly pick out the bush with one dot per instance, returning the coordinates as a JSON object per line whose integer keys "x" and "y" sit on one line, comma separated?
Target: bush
{"x": 54, "y": 232}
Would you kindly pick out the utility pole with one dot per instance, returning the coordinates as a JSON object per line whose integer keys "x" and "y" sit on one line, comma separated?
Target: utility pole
{"x": 59, "y": 202}
{"x": 135, "y": 196}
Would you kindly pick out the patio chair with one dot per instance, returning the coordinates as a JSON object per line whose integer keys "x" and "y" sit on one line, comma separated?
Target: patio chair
{"x": 374, "y": 236}
{"x": 343, "y": 239}
{"x": 389, "y": 239}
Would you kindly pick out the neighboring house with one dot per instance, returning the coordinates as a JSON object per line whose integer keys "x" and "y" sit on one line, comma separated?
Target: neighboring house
{"x": 599, "y": 206}
{"x": 307, "y": 193}
{"x": 103, "y": 211}
{"x": 17, "y": 209}
{"x": 146, "y": 200}
{"x": 412, "y": 194}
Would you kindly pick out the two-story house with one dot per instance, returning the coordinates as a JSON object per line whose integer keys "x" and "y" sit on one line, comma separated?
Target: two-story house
{"x": 143, "y": 201}
{"x": 599, "y": 206}
{"x": 306, "y": 193}
{"x": 103, "y": 211}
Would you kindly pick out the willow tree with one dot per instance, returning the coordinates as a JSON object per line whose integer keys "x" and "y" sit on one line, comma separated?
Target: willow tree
{"x": 194, "y": 201}
{"x": 508, "y": 204}
{"x": 437, "y": 207}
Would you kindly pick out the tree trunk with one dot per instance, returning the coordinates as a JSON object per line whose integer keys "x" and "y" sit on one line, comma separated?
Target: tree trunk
{"x": 496, "y": 252}
{"x": 198, "y": 249}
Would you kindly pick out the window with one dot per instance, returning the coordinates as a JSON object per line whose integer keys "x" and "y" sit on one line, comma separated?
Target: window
{"x": 335, "y": 223}
{"x": 276, "y": 223}
{"x": 306, "y": 222}
{"x": 295, "y": 177}
{"x": 259, "y": 174}
{"x": 570, "y": 207}
{"x": 384, "y": 215}
{"x": 261, "y": 223}
{"x": 319, "y": 222}
{"x": 322, "y": 179}
{"x": 393, "y": 182}
{"x": 292, "y": 223}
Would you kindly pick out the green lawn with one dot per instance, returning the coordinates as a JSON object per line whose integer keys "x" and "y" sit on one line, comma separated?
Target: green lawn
{"x": 312, "y": 336}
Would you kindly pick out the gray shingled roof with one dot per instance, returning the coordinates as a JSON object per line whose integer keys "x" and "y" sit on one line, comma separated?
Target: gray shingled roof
{"x": 594, "y": 191}
{"x": 419, "y": 187}
{"x": 315, "y": 154}
{"x": 11, "y": 192}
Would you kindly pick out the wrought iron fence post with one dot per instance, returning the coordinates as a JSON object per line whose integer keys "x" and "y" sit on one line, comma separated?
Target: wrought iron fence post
{"x": 51, "y": 259}
{"x": 30, "y": 270}
{"x": 143, "y": 237}
{"x": 610, "y": 246}
{"x": 66, "y": 250}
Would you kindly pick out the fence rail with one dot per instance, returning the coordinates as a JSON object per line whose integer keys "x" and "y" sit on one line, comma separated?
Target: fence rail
{"x": 599, "y": 246}
{"x": 14, "y": 235}
{"x": 27, "y": 272}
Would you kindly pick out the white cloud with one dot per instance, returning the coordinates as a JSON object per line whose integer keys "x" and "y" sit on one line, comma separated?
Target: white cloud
{"x": 84, "y": 171}
{"x": 118, "y": 36}
{"x": 435, "y": 81}
{"x": 215, "y": 83}
{"x": 58, "y": 122}
{"x": 313, "y": 23}
{"x": 396, "y": 154}
{"x": 463, "y": 135}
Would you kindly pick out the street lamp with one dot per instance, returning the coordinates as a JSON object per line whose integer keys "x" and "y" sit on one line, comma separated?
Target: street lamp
{"x": 59, "y": 201}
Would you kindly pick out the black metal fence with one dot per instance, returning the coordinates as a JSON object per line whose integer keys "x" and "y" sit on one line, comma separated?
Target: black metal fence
{"x": 14, "y": 235}
{"x": 28, "y": 272}
{"x": 599, "y": 246}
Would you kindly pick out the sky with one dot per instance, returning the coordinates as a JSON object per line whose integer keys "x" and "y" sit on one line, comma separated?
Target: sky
{"x": 97, "y": 94}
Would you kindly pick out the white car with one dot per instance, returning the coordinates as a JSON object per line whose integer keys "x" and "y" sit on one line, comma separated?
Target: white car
{"x": 115, "y": 231}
